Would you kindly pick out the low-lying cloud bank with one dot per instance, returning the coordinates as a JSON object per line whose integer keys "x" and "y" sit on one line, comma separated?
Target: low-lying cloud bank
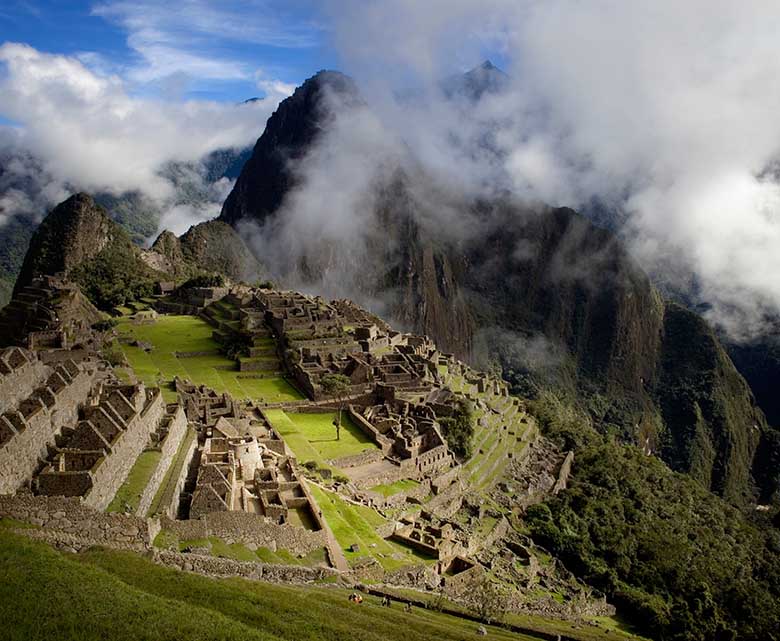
{"x": 664, "y": 113}
{"x": 79, "y": 130}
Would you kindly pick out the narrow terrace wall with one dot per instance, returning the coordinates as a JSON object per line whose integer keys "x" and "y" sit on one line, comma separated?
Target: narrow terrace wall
{"x": 111, "y": 473}
{"x": 170, "y": 508}
{"x": 67, "y": 522}
{"x": 176, "y": 433}
{"x": 216, "y": 567}
{"x": 249, "y": 529}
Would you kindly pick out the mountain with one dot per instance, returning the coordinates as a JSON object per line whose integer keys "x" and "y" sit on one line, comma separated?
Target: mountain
{"x": 26, "y": 192}
{"x": 79, "y": 239}
{"x": 540, "y": 292}
{"x": 472, "y": 85}
{"x": 289, "y": 133}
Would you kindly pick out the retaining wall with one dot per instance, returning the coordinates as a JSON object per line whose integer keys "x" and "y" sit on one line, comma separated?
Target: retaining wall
{"x": 176, "y": 432}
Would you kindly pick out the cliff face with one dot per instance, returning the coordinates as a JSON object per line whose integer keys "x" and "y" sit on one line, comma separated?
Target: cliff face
{"x": 216, "y": 247}
{"x": 651, "y": 371}
{"x": 73, "y": 232}
{"x": 266, "y": 176}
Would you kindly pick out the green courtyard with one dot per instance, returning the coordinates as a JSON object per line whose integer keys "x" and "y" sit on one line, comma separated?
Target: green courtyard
{"x": 312, "y": 437}
{"x": 185, "y": 335}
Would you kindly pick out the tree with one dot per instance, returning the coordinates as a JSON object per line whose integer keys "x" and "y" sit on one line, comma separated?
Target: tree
{"x": 337, "y": 386}
{"x": 490, "y": 602}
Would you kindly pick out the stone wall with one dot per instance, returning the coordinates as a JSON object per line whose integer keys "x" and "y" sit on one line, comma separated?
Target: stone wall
{"x": 171, "y": 509}
{"x": 176, "y": 432}
{"x": 108, "y": 476}
{"x": 361, "y": 458}
{"x": 223, "y": 568}
{"x": 384, "y": 443}
{"x": 249, "y": 529}
{"x": 18, "y": 384}
{"x": 67, "y": 522}
{"x": 19, "y": 454}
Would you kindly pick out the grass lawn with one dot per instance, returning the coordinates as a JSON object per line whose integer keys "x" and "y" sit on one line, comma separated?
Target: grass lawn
{"x": 389, "y": 489}
{"x": 312, "y": 437}
{"x": 133, "y": 487}
{"x": 171, "y": 334}
{"x": 357, "y": 524}
{"x": 103, "y": 594}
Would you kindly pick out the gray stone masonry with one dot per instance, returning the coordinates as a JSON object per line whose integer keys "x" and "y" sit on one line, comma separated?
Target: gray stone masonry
{"x": 26, "y": 430}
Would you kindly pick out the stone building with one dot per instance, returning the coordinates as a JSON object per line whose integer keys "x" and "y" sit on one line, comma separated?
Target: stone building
{"x": 203, "y": 405}
{"x": 32, "y": 418}
{"x": 246, "y": 472}
{"x": 93, "y": 458}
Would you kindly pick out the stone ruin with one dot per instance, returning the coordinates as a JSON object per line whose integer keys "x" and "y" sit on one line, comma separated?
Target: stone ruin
{"x": 408, "y": 435}
{"x": 249, "y": 470}
{"x": 203, "y": 405}
{"x": 93, "y": 458}
{"x": 69, "y": 431}
{"x": 37, "y": 402}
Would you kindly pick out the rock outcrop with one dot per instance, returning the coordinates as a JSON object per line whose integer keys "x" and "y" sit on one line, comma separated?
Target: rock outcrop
{"x": 74, "y": 231}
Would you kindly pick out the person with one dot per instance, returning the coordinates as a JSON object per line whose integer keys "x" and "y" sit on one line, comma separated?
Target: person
{"x": 408, "y": 607}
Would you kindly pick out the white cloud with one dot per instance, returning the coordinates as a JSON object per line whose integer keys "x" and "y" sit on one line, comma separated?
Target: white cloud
{"x": 666, "y": 110}
{"x": 196, "y": 38}
{"x": 87, "y": 131}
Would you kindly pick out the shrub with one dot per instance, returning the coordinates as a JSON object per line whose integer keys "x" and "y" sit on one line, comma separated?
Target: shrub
{"x": 458, "y": 429}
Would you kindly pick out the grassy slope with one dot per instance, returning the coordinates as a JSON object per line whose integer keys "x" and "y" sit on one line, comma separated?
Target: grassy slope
{"x": 170, "y": 334}
{"x": 357, "y": 524}
{"x": 113, "y": 595}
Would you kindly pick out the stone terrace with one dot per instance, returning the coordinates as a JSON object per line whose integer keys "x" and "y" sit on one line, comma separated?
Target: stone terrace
{"x": 94, "y": 458}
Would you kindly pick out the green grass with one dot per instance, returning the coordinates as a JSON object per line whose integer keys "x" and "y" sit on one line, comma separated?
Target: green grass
{"x": 357, "y": 524}
{"x": 236, "y": 551}
{"x": 321, "y": 433}
{"x": 312, "y": 437}
{"x": 389, "y": 489}
{"x": 102, "y": 594}
{"x": 131, "y": 490}
{"x": 171, "y": 334}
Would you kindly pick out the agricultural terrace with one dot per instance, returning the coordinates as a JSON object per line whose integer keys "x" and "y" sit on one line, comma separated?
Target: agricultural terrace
{"x": 312, "y": 437}
{"x": 186, "y": 335}
{"x": 354, "y": 524}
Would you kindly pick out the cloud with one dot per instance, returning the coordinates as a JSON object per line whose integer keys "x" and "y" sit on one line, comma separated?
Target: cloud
{"x": 87, "y": 132}
{"x": 665, "y": 111}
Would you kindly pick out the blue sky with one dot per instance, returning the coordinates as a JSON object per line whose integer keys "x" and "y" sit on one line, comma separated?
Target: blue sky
{"x": 197, "y": 49}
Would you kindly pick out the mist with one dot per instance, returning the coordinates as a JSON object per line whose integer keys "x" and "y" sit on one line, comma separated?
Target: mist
{"x": 76, "y": 129}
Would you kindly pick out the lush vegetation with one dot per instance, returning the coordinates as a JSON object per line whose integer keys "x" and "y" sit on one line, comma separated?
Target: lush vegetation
{"x": 122, "y": 596}
{"x": 681, "y": 562}
{"x": 17, "y": 231}
{"x": 459, "y": 429}
{"x": 116, "y": 275}
{"x": 205, "y": 280}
